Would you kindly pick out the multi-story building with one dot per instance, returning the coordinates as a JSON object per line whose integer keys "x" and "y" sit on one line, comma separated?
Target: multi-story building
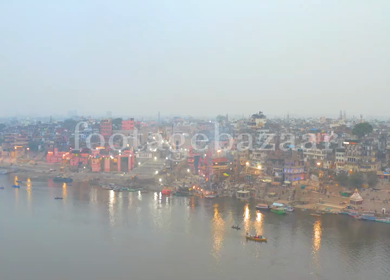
{"x": 128, "y": 125}
{"x": 294, "y": 170}
{"x": 360, "y": 156}
{"x": 106, "y": 128}
{"x": 314, "y": 154}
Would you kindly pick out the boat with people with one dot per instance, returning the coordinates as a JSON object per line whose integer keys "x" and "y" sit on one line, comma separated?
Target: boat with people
{"x": 236, "y": 227}
{"x": 58, "y": 197}
{"x": 279, "y": 210}
{"x": 258, "y": 238}
{"x": 262, "y": 207}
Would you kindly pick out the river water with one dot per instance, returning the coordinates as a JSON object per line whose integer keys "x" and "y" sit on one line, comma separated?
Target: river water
{"x": 99, "y": 234}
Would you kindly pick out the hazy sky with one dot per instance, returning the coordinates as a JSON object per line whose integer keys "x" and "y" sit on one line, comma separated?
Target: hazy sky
{"x": 195, "y": 57}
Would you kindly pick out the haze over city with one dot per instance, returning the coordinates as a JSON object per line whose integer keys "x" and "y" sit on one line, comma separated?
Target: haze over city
{"x": 308, "y": 58}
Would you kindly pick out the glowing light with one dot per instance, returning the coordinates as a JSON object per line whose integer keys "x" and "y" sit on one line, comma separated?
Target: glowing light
{"x": 188, "y": 170}
{"x": 155, "y": 158}
{"x": 160, "y": 180}
{"x": 259, "y": 167}
{"x": 247, "y": 163}
{"x": 156, "y": 172}
{"x": 317, "y": 235}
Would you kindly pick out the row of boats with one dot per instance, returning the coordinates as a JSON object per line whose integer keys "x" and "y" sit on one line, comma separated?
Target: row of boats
{"x": 365, "y": 216}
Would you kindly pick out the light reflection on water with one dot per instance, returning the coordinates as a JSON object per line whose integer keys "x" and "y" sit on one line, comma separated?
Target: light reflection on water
{"x": 218, "y": 231}
{"x": 111, "y": 207}
{"x": 259, "y": 223}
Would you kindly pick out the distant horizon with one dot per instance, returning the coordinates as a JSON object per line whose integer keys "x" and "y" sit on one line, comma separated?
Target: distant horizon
{"x": 162, "y": 116}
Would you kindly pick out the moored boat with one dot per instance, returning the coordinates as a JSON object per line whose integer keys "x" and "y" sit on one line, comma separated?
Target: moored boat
{"x": 290, "y": 209}
{"x": 279, "y": 210}
{"x": 62, "y": 180}
{"x": 166, "y": 192}
{"x": 262, "y": 207}
{"x": 315, "y": 215}
{"x": 211, "y": 196}
{"x": 16, "y": 186}
{"x": 386, "y": 220}
{"x": 58, "y": 197}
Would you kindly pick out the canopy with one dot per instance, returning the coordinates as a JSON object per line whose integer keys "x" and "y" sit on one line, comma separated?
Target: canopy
{"x": 356, "y": 197}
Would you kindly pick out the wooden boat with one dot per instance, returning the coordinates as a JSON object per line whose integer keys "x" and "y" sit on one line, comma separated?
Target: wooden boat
{"x": 280, "y": 211}
{"x": 211, "y": 196}
{"x": 253, "y": 238}
{"x": 315, "y": 215}
{"x": 144, "y": 191}
{"x": 58, "y": 197}
{"x": 236, "y": 227}
{"x": 262, "y": 207}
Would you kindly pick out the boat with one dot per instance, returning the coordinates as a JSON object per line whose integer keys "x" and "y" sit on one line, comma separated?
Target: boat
{"x": 304, "y": 209}
{"x": 58, "y": 197}
{"x": 1, "y": 188}
{"x": 236, "y": 227}
{"x": 367, "y": 217}
{"x": 315, "y": 215}
{"x": 180, "y": 193}
{"x": 62, "y": 180}
{"x": 290, "y": 209}
{"x": 16, "y": 186}
{"x": 211, "y": 196}
{"x": 183, "y": 192}
{"x": 262, "y": 207}
{"x": 144, "y": 191}
{"x": 166, "y": 192}
{"x": 3, "y": 171}
{"x": 279, "y": 210}
{"x": 386, "y": 220}
{"x": 256, "y": 238}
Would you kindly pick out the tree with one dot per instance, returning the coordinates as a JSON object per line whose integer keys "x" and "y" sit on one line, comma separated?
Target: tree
{"x": 372, "y": 179}
{"x": 33, "y": 145}
{"x": 220, "y": 118}
{"x": 70, "y": 124}
{"x": 356, "y": 180}
{"x": 342, "y": 179}
{"x": 362, "y": 129}
{"x": 117, "y": 123}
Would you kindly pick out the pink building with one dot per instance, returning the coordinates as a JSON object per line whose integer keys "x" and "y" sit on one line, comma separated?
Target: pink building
{"x": 106, "y": 128}
{"x": 128, "y": 125}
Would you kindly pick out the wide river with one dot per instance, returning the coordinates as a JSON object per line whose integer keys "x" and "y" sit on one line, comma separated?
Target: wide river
{"x": 99, "y": 234}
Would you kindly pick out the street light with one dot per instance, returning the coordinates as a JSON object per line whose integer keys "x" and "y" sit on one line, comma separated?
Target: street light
{"x": 188, "y": 170}
{"x": 259, "y": 167}
{"x": 160, "y": 180}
